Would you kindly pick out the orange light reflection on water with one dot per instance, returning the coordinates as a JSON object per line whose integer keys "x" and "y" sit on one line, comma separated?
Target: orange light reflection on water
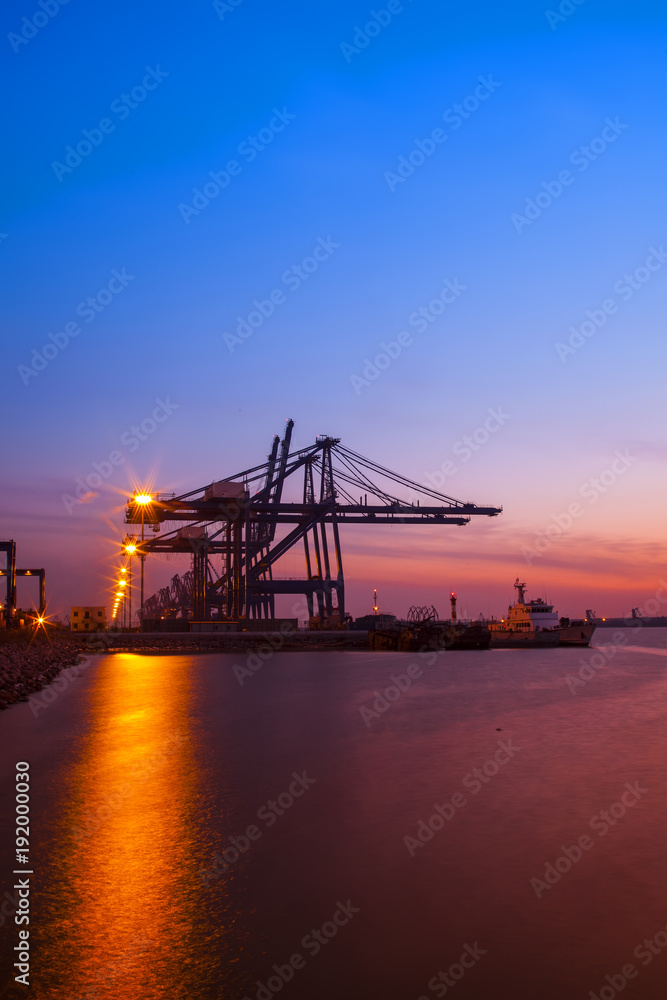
{"x": 130, "y": 872}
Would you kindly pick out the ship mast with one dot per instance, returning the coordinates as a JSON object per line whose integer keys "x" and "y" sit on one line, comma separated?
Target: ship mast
{"x": 521, "y": 587}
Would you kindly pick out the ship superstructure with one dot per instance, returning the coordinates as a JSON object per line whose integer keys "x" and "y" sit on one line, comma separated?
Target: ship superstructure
{"x": 530, "y": 615}
{"x": 535, "y": 623}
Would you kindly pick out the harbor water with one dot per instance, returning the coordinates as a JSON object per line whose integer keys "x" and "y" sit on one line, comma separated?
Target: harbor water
{"x": 483, "y": 824}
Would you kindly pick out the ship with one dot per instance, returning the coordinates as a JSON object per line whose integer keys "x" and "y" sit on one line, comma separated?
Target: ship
{"x": 535, "y": 624}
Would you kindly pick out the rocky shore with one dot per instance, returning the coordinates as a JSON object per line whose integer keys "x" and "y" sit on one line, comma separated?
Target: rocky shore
{"x": 28, "y": 662}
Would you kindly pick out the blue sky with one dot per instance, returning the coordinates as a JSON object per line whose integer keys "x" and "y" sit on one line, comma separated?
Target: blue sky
{"x": 223, "y": 76}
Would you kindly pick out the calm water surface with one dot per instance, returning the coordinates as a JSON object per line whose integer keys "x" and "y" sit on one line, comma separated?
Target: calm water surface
{"x": 145, "y": 767}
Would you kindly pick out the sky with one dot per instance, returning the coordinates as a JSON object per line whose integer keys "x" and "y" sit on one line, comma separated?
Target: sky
{"x": 170, "y": 167}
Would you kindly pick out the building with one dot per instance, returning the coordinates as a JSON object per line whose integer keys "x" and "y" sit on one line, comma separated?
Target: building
{"x": 89, "y": 618}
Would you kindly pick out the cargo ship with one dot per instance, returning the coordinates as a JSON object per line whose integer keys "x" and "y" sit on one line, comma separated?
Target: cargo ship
{"x": 535, "y": 624}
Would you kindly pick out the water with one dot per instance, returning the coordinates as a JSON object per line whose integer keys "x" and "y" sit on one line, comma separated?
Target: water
{"x": 146, "y": 766}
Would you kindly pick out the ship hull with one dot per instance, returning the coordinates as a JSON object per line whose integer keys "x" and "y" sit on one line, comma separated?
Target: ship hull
{"x": 515, "y": 639}
{"x": 576, "y": 635}
{"x": 568, "y": 635}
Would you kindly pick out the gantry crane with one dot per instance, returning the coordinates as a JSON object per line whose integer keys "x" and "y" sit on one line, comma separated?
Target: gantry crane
{"x": 227, "y": 519}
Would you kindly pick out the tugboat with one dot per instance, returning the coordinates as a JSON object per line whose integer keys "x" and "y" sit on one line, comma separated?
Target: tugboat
{"x": 535, "y": 624}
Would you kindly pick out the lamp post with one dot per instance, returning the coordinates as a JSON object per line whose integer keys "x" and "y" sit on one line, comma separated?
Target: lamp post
{"x": 129, "y": 547}
{"x": 120, "y": 595}
{"x": 123, "y": 606}
{"x": 143, "y": 500}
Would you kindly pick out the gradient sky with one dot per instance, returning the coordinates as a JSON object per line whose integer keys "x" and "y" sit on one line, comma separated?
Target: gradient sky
{"x": 324, "y": 175}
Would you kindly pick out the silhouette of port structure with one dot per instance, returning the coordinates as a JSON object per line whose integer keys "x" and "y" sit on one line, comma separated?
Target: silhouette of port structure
{"x": 245, "y": 525}
{"x": 11, "y": 572}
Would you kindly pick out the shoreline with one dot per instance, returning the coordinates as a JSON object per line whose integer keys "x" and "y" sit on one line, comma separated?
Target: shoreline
{"x": 225, "y": 642}
{"x": 29, "y": 662}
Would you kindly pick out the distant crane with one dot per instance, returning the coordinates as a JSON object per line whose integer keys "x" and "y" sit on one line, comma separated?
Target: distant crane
{"x": 10, "y": 573}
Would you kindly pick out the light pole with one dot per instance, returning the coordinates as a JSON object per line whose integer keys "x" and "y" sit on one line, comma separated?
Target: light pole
{"x": 122, "y": 583}
{"x": 129, "y": 547}
{"x": 119, "y": 597}
{"x": 143, "y": 500}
